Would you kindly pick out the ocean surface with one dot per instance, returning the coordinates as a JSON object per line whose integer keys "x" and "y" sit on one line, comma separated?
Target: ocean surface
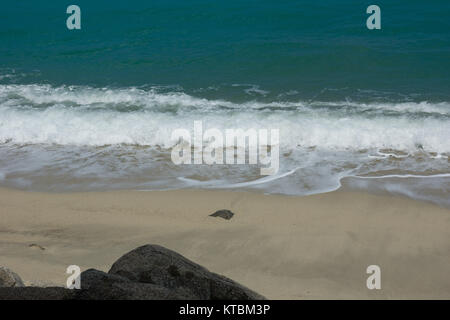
{"x": 94, "y": 109}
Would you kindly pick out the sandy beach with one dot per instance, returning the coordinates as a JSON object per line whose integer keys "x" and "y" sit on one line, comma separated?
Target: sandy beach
{"x": 282, "y": 247}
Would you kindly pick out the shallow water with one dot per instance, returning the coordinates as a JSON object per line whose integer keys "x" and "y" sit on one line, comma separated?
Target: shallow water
{"x": 95, "y": 109}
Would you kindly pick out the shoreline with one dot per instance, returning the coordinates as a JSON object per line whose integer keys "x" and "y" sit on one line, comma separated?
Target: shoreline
{"x": 284, "y": 247}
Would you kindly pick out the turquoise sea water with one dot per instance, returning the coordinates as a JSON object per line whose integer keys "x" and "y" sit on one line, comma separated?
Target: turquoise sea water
{"x": 306, "y": 46}
{"x": 94, "y": 108}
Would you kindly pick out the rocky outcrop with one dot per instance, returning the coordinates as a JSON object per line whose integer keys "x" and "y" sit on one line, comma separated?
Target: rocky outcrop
{"x": 98, "y": 285}
{"x": 9, "y": 278}
{"x": 160, "y": 266}
{"x": 150, "y": 272}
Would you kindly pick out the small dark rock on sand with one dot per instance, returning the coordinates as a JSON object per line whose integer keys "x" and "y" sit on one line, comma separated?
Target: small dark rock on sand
{"x": 225, "y": 214}
{"x": 35, "y": 245}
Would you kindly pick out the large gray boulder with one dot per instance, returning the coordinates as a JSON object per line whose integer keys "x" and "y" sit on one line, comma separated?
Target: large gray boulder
{"x": 9, "y": 278}
{"x": 98, "y": 285}
{"x": 159, "y": 266}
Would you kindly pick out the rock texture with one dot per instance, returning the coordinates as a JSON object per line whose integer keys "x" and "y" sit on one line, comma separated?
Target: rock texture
{"x": 9, "y": 278}
{"x": 150, "y": 272}
{"x": 98, "y": 285}
{"x": 225, "y": 214}
{"x": 157, "y": 265}
{"x": 37, "y": 293}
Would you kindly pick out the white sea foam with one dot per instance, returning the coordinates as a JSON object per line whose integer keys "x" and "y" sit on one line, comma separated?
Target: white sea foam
{"x": 221, "y": 184}
{"x": 406, "y": 176}
{"x": 101, "y": 138}
{"x": 101, "y": 116}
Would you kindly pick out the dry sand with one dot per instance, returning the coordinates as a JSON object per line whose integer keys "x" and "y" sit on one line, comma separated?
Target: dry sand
{"x": 282, "y": 247}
